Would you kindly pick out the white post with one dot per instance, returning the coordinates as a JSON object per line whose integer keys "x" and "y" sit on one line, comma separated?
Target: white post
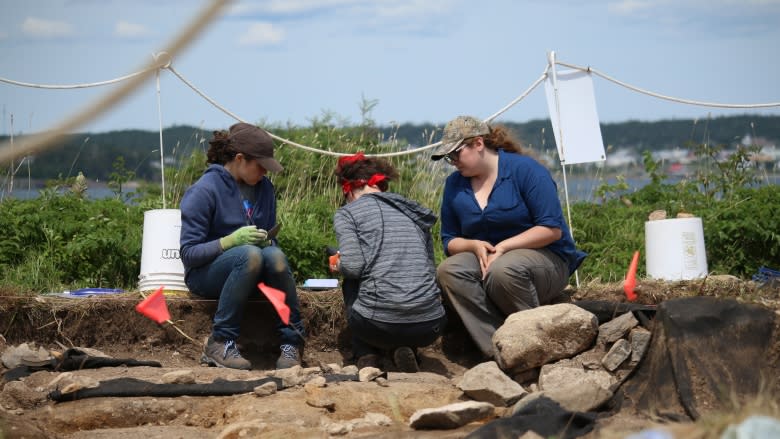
{"x": 162, "y": 158}
{"x": 562, "y": 154}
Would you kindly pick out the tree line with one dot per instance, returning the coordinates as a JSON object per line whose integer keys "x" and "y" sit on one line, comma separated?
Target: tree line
{"x": 96, "y": 154}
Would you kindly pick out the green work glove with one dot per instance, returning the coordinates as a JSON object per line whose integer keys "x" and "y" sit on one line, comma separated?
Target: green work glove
{"x": 244, "y": 235}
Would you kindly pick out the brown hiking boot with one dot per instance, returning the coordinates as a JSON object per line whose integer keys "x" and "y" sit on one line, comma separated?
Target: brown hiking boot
{"x": 224, "y": 354}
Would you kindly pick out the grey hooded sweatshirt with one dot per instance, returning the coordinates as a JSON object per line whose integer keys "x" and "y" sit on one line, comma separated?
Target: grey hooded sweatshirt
{"x": 385, "y": 242}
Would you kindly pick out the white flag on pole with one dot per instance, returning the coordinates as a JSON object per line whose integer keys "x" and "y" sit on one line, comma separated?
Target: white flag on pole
{"x": 579, "y": 121}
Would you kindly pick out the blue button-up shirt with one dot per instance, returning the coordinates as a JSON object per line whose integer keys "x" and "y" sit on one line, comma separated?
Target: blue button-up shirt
{"x": 524, "y": 195}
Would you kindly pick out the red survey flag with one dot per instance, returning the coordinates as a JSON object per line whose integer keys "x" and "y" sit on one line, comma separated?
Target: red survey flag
{"x": 277, "y": 300}
{"x": 630, "y": 283}
{"x": 154, "y": 306}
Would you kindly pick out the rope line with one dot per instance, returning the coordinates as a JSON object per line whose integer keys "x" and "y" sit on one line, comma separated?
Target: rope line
{"x": 45, "y": 140}
{"x": 72, "y": 86}
{"x": 339, "y": 154}
{"x": 519, "y": 98}
{"x": 660, "y": 96}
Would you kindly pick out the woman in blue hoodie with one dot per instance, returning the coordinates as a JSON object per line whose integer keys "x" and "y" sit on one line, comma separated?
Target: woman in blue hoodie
{"x": 386, "y": 257}
{"x": 225, "y": 245}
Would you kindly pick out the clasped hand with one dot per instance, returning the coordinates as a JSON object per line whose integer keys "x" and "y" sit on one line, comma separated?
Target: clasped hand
{"x": 486, "y": 253}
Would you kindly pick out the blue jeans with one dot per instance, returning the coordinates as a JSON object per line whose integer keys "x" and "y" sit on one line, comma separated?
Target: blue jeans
{"x": 233, "y": 277}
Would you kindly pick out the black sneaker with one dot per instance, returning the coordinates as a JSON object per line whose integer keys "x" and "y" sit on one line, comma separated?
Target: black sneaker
{"x": 224, "y": 354}
{"x": 405, "y": 360}
{"x": 290, "y": 356}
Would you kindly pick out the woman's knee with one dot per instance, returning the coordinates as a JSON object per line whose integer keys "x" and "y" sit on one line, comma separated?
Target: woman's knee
{"x": 250, "y": 259}
{"x": 275, "y": 259}
{"x": 445, "y": 271}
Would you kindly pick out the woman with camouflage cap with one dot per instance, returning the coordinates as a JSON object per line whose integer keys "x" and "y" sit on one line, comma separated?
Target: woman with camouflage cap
{"x": 508, "y": 246}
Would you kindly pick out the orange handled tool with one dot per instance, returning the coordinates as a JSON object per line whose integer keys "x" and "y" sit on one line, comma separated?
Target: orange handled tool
{"x": 333, "y": 262}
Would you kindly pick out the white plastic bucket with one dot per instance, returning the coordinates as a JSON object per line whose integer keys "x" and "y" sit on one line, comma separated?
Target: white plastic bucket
{"x": 674, "y": 249}
{"x": 160, "y": 260}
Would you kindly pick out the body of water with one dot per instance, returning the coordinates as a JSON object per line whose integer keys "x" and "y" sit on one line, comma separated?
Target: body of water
{"x": 580, "y": 188}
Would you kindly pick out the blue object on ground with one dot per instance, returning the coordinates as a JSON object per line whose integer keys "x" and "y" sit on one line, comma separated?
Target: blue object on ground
{"x": 95, "y": 291}
{"x": 766, "y": 276}
{"x": 321, "y": 284}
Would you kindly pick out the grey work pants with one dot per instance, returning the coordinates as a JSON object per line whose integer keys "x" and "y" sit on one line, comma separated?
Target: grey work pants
{"x": 518, "y": 280}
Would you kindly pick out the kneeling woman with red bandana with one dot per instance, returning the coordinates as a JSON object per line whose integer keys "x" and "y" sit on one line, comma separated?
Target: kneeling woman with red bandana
{"x": 386, "y": 257}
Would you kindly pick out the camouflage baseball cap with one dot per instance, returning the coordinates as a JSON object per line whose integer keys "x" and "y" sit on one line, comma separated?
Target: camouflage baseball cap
{"x": 456, "y": 131}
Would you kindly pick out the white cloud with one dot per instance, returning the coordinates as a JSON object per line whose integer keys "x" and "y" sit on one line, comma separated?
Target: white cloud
{"x": 262, "y": 34}
{"x": 246, "y": 8}
{"x": 125, "y": 29}
{"x": 631, "y": 7}
{"x": 41, "y": 28}
{"x": 412, "y": 8}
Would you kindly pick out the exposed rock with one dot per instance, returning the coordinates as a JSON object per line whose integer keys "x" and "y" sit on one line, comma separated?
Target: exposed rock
{"x": 577, "y": 397}
{"x": 242, "y": 430}
{"x": 184, "y": 376}
{"x": 640, "y": 340}
{"x": 553, "y": 376}
{"x": 349, "y": 370}
{"x": 617, "y": 354}
{"x": 17, "y": 394}
{"x": 12, "y": 356}
{"x": 369, "y": 420}
{"x": 486, "y": 382}
{"x": 290, "y": 377}
{"x": 317, "y": 381}
{"x": 451, "y": 416}
{"x": 617, "y": 328}
{"x": 316, "y": 398}
{"x": 266, "y": 389}
{"x": 526, "y": 376}
{"x": 67, "y": 382}
{"x": 368, "y": 374}
{"x": 590, "y": 359}
{"x": 537, "y": 336}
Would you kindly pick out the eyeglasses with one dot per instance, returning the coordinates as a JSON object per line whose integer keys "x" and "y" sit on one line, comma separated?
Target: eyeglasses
{"x": 454, "y": 155}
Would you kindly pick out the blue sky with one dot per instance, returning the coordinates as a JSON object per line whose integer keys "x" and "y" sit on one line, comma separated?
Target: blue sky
{"x": 422, "y": 60}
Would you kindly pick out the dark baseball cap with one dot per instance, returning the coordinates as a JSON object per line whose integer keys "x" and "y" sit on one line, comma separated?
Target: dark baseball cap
{"x": 255, "y": 143}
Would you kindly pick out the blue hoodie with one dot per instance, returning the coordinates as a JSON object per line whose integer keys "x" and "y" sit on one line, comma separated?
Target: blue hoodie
{"x": 212, "y": 208}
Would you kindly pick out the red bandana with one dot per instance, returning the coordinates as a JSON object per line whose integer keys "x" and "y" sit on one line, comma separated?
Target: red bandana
{"x": 349, "y": 185}
{"x": 346, "y": 160}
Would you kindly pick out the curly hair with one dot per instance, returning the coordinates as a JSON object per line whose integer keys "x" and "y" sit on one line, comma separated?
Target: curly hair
{"x": 501, "y": 137}
{"x": 359, "y": 167}
{"x": 221, "y": 149}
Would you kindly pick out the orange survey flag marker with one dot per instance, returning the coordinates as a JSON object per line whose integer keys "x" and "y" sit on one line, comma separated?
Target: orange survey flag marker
{"x": 630, "y": 282}
{"x": 154, "y": 307}
{"x": 277, "y": 300}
